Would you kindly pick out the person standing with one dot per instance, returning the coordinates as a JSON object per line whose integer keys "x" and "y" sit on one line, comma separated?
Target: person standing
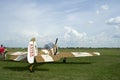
{"x": 3, "y": 51}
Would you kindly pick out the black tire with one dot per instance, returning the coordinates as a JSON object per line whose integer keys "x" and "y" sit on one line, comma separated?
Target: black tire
{"x": 31, "y": 68}
{"x": 64, "y": 60}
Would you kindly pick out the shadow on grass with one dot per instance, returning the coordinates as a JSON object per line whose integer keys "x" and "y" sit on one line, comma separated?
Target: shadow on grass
{"x": 26, "y": 68}
{"x": 67, "y": 63}
{"x": 75, "y": 63}
{"x": 20, "y": 69}
{"x": 16, "y": 68}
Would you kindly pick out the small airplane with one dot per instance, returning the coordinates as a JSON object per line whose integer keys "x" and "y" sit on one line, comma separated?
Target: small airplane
{"x": 48, "y": 54}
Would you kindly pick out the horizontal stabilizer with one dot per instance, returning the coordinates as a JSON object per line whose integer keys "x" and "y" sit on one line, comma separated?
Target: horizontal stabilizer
{"x": 18, "y": 56}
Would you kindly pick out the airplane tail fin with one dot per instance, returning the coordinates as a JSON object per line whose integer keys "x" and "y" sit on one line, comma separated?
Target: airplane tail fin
{"x": 32, "y": 51}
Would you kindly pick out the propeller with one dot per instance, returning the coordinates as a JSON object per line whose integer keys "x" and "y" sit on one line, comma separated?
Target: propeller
{"x": 56, "y": 46}
{"x": 56, "y": 41}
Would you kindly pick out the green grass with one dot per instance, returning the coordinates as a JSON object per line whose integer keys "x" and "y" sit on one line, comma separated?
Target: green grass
{"x": 104, "y": 67}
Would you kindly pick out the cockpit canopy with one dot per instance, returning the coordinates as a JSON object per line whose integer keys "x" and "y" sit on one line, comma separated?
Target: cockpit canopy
{"x": 49, "y": 46}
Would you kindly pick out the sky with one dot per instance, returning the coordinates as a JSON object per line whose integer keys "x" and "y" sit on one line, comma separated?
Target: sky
{"x": 76, "y": 23}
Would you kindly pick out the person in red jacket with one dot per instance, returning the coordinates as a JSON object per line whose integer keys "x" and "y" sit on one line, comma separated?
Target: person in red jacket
{"x": 3, "y": 51}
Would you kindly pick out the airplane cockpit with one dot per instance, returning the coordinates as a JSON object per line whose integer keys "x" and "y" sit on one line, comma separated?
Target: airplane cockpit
{"x": 51, "y": 48}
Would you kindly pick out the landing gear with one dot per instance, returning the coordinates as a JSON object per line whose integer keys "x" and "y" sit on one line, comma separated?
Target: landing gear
{"x": 31, "y": 68}
{"x": 64, "y": 60}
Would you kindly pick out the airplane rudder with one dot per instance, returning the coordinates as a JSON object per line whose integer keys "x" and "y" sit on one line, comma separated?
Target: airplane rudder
{"x": 31, "y": 51}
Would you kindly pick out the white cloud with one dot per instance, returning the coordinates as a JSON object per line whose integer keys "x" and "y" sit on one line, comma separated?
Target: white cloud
{"x": 30, "y": 33}
{"x": 116, "y": 24}
{"x": 73, "y": 38}
{"x": 114, "y": 21}
{"x": 90, "y": 22}
{"x": 102, "y": 8}
{"x": 105, "y": 7}
{"x": 73, "y": 34}
{"x": 97, "y": 11}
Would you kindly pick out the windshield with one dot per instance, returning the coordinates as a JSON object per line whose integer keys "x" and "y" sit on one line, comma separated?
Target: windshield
{"x": 49, "y": 46}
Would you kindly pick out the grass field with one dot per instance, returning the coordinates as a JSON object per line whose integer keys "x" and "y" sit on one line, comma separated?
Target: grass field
{"x": 104, "y": 67}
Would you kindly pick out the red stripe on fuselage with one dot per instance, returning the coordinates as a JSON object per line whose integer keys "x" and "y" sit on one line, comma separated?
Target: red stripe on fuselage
{"x": 31, "y": 50}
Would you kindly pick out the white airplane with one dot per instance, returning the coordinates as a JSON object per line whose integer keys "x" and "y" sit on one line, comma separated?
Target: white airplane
{"x": 48, "y": 54}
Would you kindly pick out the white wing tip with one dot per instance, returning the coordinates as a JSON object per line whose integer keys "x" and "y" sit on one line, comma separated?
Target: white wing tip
{"x": 97, "y": 53}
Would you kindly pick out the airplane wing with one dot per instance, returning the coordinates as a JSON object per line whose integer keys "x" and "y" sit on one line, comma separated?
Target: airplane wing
{"x": 52, "y": 58}
{"x": 18, "y": 56}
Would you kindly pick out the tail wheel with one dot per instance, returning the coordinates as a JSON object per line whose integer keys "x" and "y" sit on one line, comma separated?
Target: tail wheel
{"x": 64, "y": 60}
{"x": 31, "y": 68}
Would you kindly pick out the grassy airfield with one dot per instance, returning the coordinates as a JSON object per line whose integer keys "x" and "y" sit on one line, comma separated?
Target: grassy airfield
{"x": 104, "y": 67}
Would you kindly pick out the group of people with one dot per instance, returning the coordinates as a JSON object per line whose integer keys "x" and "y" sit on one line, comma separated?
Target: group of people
{"x": 3, "y": 51}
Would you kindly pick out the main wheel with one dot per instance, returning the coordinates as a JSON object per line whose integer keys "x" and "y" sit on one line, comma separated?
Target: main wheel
{"x": 31, "y": 68}
{"x": 64, "y": 60}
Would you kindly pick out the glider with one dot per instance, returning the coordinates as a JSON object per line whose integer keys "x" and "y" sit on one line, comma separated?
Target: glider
{"x": 48, "y": 54}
